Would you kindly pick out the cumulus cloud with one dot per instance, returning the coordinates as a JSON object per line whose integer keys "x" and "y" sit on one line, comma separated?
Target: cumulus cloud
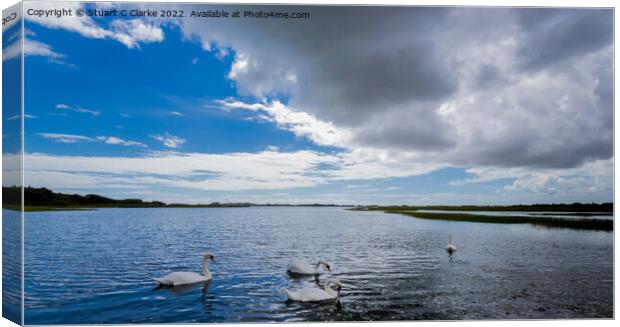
{"x": 594, "y": 177}
{"x": 133, "y": 32}
{"x": 119, "y": 141}
{"x": 300, "y": 123}
{"x": 168, "y": 140}
{"x": 467, "y": 86}
{"x": 524, "y": 94}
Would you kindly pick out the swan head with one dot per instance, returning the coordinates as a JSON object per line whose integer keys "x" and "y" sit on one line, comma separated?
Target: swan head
{"x": 326, "y": 264}
{"x": 334, "y": 281}
{"x": 208, "y": 256}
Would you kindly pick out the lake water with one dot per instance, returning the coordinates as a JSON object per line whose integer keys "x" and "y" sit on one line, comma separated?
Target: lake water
{"x": 96, "y": 267}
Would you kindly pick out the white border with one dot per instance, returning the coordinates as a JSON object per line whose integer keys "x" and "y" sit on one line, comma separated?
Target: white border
{"x": 509, "y": 3}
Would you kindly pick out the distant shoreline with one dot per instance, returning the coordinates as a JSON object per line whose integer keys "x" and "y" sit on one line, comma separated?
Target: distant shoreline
{"x": 538, "y": 219}
{"x": 43, "y": 199}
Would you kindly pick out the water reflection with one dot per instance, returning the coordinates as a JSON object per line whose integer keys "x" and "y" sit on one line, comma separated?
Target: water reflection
{"x": 392, "y": 267}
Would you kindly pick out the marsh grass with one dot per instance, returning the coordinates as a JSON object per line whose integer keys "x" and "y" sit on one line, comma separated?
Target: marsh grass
{"x": 544, "y": 221}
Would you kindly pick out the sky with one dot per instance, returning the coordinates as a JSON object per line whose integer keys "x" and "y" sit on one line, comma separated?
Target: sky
{"x": 354, "y": 105}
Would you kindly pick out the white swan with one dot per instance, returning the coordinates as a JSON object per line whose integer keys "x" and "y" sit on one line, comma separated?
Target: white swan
{"x": 302, "y": 268}
{"x": 183, "y": 277}
{"x": 311, "y": 294}
{"x": 450, "y": 247}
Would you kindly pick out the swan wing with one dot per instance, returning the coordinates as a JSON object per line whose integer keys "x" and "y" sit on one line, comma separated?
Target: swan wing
{"x": 182, "y": 278}
{"x": 309, "y": 295}
{"x": 300, "y": 267}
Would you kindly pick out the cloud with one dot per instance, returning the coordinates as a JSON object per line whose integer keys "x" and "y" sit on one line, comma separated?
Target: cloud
{"x": 294, "y": 171}
{"x": 594, "y": 177}
{"x": 66, "y": 138}
{"x": 494, "y": 87}
{"x": 78, "y": 109}
{"x": 12, "y": 51}
{"x": 175, "y": 113}
{"x": 72, "y": 138}
{"x": 33, "y": 48}
{"x": 551, "y": 36}
{"x": 118, "y": 141}
{"x": 130, "y": 33}
{"x": 133, "y": 32}
{"x": 25, "y": 116}
{"x": 301, "y": 124}
{"x": 265, "y": 170}
{"x": 169, "y": 141}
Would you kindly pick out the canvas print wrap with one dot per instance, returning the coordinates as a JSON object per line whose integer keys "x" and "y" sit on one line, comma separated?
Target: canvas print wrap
{"x": 227, "y": 163}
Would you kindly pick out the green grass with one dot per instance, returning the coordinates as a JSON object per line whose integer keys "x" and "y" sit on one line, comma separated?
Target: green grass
{"x": 544, "y": 221}
{"x": 583, "y": 208}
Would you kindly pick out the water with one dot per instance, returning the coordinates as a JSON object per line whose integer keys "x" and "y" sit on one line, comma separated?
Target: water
{"x": 96, "y": 267}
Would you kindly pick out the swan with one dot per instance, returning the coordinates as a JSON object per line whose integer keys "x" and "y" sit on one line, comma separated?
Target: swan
{"x": 450, "y": 247}
{"x": 302, "y": 268}
{"x": 183, "y": 277}
{"x": 310, "y": 294}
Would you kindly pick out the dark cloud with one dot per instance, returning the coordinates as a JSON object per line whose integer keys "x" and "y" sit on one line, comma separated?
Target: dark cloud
{"x": 468, "y": 86}
{"x": 554, "y": 35}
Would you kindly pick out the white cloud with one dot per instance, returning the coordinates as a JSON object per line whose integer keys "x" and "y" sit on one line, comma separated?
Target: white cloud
{"x": 128, "y": 32}
{"x": 33, "y": 48}
{"x": 62, "y": 106}
{"x": 72, "y": 138}
{"x": 168, "y": 140}
{"x": 204, "y": 171}
{"x": 12, "y": 51}
{"x": 594, "y": 177}
{"x": 118, "y": 141}
{"x": 25, "y": 116}
{"x": 66, "y": 138}
{"x": 133, "y": 32}
{"x": 36, "y": 48}
{"x": 300, "y": 123}
{"x": 175, "y": 113}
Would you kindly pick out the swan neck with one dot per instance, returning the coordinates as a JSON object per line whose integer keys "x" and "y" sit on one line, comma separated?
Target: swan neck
{"x": 205, "y": 267}
{"x": 328, "y": 288}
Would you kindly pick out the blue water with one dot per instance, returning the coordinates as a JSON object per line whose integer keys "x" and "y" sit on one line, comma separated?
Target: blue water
{"x": 96, "y": 267}
{"x": 11, "y": 265}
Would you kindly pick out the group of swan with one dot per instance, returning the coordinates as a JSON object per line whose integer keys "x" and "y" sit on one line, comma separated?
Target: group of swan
{"x": 301, "y": 268}
{"x": 312, "y": 294}
{"x": 330, "y": 291}
{"x": 309, "y": 294}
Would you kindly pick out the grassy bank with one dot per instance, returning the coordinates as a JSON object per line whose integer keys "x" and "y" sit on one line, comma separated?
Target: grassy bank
{"x": 544, "y": 221}
{"x": 583, "y": 208}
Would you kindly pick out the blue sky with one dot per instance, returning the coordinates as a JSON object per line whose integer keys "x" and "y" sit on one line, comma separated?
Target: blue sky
{"x": 199, "y": 111}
